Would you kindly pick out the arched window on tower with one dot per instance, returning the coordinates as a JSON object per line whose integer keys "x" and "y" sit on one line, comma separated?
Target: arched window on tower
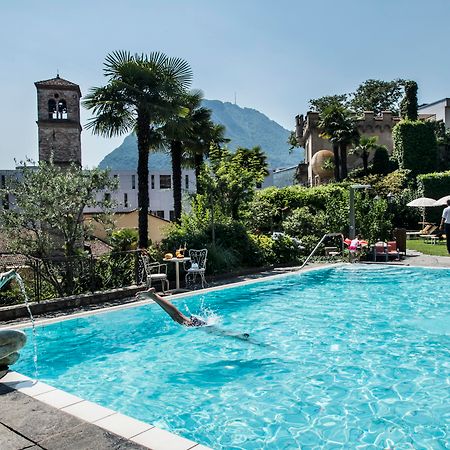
{"x": 62, "y": 109}
{"x": 52, "y": 109}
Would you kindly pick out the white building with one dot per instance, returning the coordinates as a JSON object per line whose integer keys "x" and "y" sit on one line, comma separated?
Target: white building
{"x": 439, "y": 110}
{"x": 160, "y": 191}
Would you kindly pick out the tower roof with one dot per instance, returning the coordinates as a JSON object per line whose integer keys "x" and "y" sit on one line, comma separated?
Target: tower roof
{"x": 58, "y": 83}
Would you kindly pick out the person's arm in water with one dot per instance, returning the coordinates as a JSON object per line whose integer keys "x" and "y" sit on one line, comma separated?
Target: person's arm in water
{"x": 170, "y": 309}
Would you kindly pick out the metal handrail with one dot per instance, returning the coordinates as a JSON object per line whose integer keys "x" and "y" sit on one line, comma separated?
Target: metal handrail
{"x": 317, "y": 246}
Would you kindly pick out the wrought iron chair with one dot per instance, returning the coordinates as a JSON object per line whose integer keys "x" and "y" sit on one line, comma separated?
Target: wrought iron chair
{"x": 196, "y": 266}
{"x": 154, "y": 272}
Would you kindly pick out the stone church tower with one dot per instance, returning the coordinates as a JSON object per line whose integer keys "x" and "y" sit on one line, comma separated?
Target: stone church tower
{"x": 58, "y": 121}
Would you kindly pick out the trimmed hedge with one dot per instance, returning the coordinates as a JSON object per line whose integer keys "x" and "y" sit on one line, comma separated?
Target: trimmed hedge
{"x": 434, "y": 185}
{"x": 415, "y": 146}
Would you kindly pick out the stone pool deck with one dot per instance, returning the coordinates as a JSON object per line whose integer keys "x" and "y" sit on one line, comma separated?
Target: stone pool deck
{"x": 27, "y": 422}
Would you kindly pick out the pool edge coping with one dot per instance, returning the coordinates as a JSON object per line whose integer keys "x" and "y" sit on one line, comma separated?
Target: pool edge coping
{"x": 137, "y": 431}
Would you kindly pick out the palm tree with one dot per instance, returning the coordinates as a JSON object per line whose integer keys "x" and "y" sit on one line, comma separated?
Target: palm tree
{"x": 363, "y": 148}
{"x": 206, "y": 133}
{"x": 347, "y": 135}
{"x": 339, "y": 127}
{"x": 139, "y": 96}
{"x": 179, "y": 131}
{"x": 329, "y": 123}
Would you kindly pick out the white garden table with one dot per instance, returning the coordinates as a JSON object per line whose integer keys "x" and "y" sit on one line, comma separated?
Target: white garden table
{"x": 177, "y": 262}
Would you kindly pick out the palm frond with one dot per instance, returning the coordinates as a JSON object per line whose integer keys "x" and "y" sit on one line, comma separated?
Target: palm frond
{"x": 115, "y": 60}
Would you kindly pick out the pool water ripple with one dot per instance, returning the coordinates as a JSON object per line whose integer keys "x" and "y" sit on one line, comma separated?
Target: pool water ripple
{"x": 347, "y": 357}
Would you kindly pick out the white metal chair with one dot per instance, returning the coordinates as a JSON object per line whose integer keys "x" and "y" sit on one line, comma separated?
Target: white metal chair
{"x": 154, "y": 272}
{"x": 196, "y": 266}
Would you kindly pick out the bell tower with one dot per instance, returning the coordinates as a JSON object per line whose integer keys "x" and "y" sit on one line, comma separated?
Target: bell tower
{"x": 59, "y": 126}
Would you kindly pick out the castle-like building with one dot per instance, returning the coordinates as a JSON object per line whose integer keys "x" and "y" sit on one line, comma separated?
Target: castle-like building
{"x": 308, "y": 135}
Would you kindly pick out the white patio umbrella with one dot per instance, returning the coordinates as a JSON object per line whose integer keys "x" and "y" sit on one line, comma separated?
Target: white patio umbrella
{"x": 442, "y": 201}
{"x": 422, "y": 202}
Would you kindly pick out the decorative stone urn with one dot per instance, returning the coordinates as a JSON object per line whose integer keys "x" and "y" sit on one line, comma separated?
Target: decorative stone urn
{"x": 11, "y": 341}
{"x": 319, "y": 164}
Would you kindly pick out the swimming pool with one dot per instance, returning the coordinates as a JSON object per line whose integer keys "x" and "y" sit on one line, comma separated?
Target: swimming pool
{"x": 344, "y": 357}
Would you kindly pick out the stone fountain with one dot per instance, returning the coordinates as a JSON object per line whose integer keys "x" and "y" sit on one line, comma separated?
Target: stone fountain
{"x": 11, "y": 341}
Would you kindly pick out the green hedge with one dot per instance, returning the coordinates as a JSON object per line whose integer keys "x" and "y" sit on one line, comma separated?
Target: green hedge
{"x": 415, "y": 146}
{"x": 434, "y": 185}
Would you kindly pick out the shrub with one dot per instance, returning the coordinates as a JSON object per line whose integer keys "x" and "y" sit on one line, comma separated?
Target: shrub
{"x": 380, "y": 162}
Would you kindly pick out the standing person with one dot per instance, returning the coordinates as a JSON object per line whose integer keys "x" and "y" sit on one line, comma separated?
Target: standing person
{"x": 445, "y": 224}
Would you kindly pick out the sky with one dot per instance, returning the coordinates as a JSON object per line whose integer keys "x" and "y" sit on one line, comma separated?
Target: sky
{"x": 273, "y": 56}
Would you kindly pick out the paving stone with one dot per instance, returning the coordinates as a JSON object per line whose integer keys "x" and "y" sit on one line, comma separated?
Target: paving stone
{"x": 32, "y": 418}
{"x": 12, "y": 441}
{"x": 88, "y": 437}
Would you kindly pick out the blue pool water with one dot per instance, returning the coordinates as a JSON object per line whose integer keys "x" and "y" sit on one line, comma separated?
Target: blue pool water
{"x": 344, "y": 357}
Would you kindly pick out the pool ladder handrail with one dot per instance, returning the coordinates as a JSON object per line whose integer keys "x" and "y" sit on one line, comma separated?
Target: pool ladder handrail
{"x": 318, "y": 244}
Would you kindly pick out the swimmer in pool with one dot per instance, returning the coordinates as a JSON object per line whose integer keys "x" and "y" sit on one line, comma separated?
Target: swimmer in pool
{"x": 180, "y": 318}
{"x": 170, "y": 309}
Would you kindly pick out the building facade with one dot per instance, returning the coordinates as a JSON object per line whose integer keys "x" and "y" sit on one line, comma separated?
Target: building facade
{"x": 308, "y": 135}
{"x": 160, "y": 192}
{"x": 438, "y": 111}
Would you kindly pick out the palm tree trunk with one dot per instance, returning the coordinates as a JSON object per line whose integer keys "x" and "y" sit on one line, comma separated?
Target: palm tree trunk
{"x": 336, "y": 162}
{"x": 143, "y": 137}
{"x": 198, "y": 162}
{"x": 365, "y": 158}
{"x": 344, "y": 171}
{"x": 176, "y": 153}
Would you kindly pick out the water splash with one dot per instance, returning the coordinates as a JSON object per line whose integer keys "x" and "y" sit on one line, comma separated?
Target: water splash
{"x": 205, "y": 313}
{"x": 25, "y": 296}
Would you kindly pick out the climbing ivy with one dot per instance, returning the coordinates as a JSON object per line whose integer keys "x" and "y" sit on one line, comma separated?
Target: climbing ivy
{"x": 415, "y": 146}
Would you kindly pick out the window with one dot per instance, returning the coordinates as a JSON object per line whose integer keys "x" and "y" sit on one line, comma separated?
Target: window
{"x": 107, "y": 197}
{"x": 133, "y": 181}
{"x": 125, "y": 200}
{"x": 171, "y": 216}
{"x": 62, "y": 110}
{"x": 152, "y": 181}
{"x": 165, "y": 182}
{"x": 158, "y": 214}
{"x": 3, "y": 181}
{"x": 186, "y": 181}
{"x": 52, "y": 109}
{"x": 115, "y": 175}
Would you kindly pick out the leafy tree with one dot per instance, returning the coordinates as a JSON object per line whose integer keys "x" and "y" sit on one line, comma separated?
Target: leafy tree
{"x": 47, "y": 216}
{"x": 328, "y": 101}
{"x": 363, "y": 149}
{"x": 377, "y": 96}
{"x": 230, "y": 179}
{"x": 293, "y": 141}
{"x": 139, "y": 96}
{"x": 409, "y": 104}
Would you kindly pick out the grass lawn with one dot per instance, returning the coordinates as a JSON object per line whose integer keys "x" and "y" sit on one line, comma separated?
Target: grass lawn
{"x": 428, "y": 249}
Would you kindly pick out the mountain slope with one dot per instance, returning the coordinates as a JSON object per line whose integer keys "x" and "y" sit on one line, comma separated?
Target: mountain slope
{"x": 245, "y": 127}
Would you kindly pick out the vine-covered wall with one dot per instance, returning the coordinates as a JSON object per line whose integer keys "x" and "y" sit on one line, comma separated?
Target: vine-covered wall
{"x": 415, "y": 146}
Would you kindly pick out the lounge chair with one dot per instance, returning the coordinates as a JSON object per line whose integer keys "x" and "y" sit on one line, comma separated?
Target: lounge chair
{"x": 431, "y": 230}
{"x": 392, "y": 250}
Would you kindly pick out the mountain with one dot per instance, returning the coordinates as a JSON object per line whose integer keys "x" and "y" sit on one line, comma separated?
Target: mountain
{"x": 245, "y": 127}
